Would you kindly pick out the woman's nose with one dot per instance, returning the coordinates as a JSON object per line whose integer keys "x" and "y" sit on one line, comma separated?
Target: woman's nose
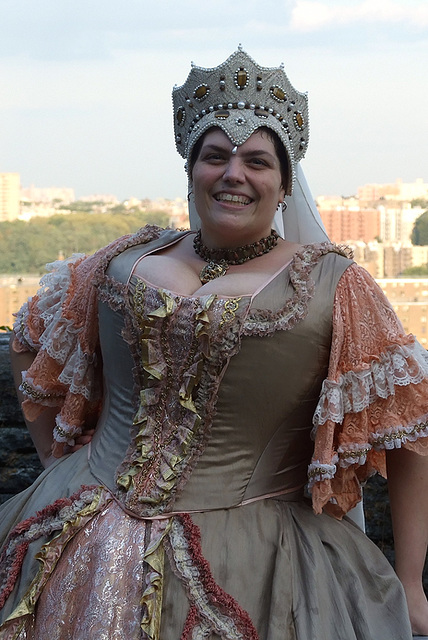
{"x": 234, "y": 170}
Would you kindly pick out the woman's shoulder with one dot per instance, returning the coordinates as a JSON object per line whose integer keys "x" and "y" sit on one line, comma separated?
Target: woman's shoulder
{"x": 320, "y": 261}
{"x": 144, "y": 236}
{"x": 121, "y": 255}
{"x": 316, "y": 250}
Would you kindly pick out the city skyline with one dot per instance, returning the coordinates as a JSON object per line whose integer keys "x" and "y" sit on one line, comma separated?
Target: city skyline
{"x": 86, "y": 97}
{"x": 398, "y": 189}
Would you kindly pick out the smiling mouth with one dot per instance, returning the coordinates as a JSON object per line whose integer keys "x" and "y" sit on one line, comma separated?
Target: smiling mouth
{"x": 228, "y": 197}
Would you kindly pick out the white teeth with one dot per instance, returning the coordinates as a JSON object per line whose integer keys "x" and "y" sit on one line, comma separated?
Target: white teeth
{"x": 228, "y": 197}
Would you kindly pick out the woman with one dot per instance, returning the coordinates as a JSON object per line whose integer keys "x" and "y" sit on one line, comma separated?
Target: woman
{"x": 195, "y": 524}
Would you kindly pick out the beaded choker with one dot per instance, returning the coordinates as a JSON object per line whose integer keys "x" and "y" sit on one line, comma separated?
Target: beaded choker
{"x": 219, "y": 260}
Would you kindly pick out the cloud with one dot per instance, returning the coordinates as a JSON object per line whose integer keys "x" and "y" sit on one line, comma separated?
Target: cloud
{"x": 309, "y": 15}
{"x": 80, "y": 30}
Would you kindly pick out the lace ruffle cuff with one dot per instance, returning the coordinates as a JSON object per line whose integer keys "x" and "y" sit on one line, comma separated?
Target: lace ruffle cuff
{"x": 319, "y": 471}
{"x": 38, "y": 394}
{"x": 396, "y": 437}
{"x": 399, "y": 365}
{"x": 356, "y": 454}
{"x": 23, "y": 340}
{"x": 363, "y": 414}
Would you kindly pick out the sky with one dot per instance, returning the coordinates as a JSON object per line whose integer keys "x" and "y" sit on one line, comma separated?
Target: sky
{"x": 85, "y": 87}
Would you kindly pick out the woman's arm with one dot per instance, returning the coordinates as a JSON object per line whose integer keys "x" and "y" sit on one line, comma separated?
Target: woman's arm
{"x": 408, "y": 490}
{"x": 41, "y": 429}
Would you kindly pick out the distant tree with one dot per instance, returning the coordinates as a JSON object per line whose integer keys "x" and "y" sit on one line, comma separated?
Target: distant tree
{"x": 26, "y": 247}
{"x": 412, "y": 272}
{"x": 419, "y": 202}
{"x": 119, "y": 209}
{"x": 78, "y": 205}
{"x": 420, "y": 230}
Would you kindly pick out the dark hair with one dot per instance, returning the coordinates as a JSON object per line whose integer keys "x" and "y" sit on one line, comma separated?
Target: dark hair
{"x": 279, "y": 148}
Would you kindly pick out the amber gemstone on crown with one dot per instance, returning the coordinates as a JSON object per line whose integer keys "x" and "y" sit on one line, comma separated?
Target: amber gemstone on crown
{"x": 201, "y": 91}
{"x": 222, "y": 114}
{"x": 241, "y": 78}
{"x": 278, "y": 93}
{"x": 261, "y": 113}
{"x": 181, "y": 116}
{"x": 298, "y": 119}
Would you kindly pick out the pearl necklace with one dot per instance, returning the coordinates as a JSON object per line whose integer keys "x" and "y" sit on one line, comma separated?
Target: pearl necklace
{"x": 219, "y": 260}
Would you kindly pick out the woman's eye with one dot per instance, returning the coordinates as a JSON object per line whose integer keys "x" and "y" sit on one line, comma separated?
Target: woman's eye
{"x": 258, "y": 162}
{"x": 214, "y": 157}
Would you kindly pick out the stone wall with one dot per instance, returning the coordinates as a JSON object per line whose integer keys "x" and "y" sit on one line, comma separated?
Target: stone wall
{"x": 19, "y": 464}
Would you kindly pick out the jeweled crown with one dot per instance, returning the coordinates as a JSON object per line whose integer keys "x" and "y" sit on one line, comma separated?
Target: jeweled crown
{"x": 239, "y": 96}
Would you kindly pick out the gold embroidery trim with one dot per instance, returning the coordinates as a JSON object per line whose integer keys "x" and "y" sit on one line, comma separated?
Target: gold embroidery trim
{"x": 230, "y": 308}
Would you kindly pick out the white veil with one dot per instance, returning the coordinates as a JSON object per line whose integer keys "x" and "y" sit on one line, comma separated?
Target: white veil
{"x": 301, "y": 221}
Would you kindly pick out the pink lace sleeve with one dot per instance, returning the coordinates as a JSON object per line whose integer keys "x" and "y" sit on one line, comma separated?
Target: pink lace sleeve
{"x": 61, "y": 328}
{"x": 374, "y": 398}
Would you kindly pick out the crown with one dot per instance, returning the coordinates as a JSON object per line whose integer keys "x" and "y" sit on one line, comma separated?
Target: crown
{"x": 239, "y": 96}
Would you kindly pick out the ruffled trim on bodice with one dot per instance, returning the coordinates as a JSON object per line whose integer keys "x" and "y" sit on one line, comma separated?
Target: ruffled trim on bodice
{"x": 183, "y": 346}
{"x": 373, "y": 396}
{"x": 263, "y": 322}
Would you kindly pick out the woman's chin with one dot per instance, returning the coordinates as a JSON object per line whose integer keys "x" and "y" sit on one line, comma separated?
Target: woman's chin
{"x": 232, "y": 231}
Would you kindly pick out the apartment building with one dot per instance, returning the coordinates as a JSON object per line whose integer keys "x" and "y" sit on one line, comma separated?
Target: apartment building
{"x": 409, "y": 298}
{"x": 14, "y": 291}
{"x": 9, "y": 196}
{"x": 345, "y": 223}
{"x": 399, "y": 191}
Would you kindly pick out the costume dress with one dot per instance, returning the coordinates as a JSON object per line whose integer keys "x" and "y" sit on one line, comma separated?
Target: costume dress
{"x": 187, "y": 516}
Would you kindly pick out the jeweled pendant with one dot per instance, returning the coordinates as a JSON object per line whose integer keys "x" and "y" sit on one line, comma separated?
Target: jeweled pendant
{"x": 213, "y": 270}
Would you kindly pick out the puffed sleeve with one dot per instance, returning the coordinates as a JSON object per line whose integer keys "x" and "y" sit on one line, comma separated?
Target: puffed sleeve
{"x": 375, "y": 396}
{"x": 60, "y": 325}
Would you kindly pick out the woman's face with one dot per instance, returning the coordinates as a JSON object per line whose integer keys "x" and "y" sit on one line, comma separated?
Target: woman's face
{"x": 236, "y": 194}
